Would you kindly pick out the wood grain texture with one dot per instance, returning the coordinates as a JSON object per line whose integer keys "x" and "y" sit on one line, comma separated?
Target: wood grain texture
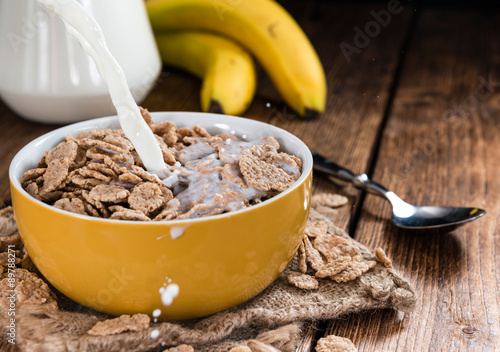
{"x": 441, "y": 146}
{"x": 14, "y": 134}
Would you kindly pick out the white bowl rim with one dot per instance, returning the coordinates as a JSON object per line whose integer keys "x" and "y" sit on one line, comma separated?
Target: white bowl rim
{"x": 15, "y": 174}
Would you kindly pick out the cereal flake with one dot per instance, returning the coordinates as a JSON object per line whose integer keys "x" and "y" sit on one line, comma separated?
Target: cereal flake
{"x": 129, "y": 214}
{"x": 333, "y": 343}
{"x": 109, "y": 193}
{"x": 260, "y": 174}
{"x": 7, "y": 222}
{"x": 316, "y": 229}
{"x": 303, "y": 281}
{"x": 241, "y": 348}
{"x": 136, "y": 322}
{"x": 74, "y": 205}
{"x": 180, "y": 348}
{"x": 381, "y": 257}
{"x": 146, "y": 197}
{"x": 30, "y": 289}
{"x": 355, "y": 269}
{"x": 329, "y": 200}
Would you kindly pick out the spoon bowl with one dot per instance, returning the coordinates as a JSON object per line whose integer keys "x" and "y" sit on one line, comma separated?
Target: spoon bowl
{"x": 404, "y": 215}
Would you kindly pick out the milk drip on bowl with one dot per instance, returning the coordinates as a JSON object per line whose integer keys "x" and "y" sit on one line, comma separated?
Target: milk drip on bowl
{"x": 82, "y": 26}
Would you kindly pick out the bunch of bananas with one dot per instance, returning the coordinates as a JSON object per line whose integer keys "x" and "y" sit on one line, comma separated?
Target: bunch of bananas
{"x": 210, "y": 39}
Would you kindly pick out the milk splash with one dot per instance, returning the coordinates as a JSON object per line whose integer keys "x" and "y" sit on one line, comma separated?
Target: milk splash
{"x": 82, "y": 26}
{"x": 169, "y": 293}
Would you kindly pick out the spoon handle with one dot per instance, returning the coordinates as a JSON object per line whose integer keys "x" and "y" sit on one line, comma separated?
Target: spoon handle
{"x": 322, "y": 164}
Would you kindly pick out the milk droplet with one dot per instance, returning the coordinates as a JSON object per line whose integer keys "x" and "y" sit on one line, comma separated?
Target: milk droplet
{"x": 156, "y": 313}
{"x": 168, "y": 294}
{"x": 155, "y": 333}
{"x": 268, "y": 105}
{"x": 176, "y": 232}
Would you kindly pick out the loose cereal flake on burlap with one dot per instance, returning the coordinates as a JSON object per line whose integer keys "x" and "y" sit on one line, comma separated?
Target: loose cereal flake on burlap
{"x": 260, "y": 174}
{"x": 356, "y": 268}
{"x": 302, "y": 258}
{"x": 333, "y": 343}
{"x": 13, "y": 240}
{"x": 382, "y": 258}
{"x": 7, "y": 222}
{"x": 316, "y": 228}
{"x": 136, "y": 322}
{"x": 4, "y": 259}
{"x": 303, "y": 281}
{"x": 332, "y": 246}
{"x": 312, "y": 255}
{"x": 29, "y": 289}
{"x": 241, "y": 348}
{"x": 180, "y": 348}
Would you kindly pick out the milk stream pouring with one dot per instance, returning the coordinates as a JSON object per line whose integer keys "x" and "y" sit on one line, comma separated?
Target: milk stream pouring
{"x": 83, "y": 27}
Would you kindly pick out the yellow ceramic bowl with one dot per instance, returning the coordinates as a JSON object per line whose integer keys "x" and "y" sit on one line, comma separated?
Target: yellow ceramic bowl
{"x": 206, "y": 265}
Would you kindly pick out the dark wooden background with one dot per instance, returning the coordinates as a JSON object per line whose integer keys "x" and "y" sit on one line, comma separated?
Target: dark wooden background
{"x": 417, "y": 109}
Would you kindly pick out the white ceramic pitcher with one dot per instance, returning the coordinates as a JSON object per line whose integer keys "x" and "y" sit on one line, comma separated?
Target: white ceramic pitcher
{"x": 46, "y": 76}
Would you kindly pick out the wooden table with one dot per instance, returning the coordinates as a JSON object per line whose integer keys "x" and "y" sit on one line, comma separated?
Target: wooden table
{"x": 417, "y": 109}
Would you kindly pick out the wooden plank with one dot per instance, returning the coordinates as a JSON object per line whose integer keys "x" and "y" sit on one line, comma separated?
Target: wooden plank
{"x": 441, "y": 146}
{"x": 14, "y": 134}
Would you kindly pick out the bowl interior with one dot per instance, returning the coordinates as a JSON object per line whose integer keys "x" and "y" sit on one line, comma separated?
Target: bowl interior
{"x": 247, "y": 129}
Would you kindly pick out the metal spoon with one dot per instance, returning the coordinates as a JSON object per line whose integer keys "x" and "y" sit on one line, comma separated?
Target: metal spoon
{"x": 403, "y": 214}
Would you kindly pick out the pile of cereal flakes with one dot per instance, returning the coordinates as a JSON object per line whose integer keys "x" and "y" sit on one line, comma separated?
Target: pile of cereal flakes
{"x": 323, "y": 254}
{"x": 99, "y": 173}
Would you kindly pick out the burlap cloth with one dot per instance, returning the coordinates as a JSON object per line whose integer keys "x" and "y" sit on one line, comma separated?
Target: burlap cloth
{"x": 271, "y": 321}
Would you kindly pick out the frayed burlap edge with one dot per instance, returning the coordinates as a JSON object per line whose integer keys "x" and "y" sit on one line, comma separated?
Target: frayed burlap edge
{"x": 274, "y": 318}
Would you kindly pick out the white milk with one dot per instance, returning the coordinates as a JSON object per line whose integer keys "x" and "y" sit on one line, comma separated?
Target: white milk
{"x": 81, "y": 25}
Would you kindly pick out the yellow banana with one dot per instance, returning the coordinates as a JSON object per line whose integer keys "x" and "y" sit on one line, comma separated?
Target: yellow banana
{"x": 267, "y": 30}
{"x": 227, "y": 70}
